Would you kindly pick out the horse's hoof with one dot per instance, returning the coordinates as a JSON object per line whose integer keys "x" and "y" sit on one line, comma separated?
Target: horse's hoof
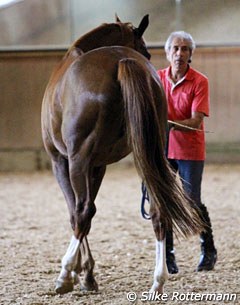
{"x": 63, "y": 287}
{"x": 89, "y": 286}
{"x": 156, "y": 288}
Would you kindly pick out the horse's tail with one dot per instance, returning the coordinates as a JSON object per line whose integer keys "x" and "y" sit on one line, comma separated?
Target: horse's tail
{"x": 146, "y": 119}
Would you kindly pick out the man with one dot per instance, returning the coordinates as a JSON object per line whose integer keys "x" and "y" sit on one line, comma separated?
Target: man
{"x": 187, "y": 94}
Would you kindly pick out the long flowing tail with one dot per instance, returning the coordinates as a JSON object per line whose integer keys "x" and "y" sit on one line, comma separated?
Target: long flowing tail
{"x": 146, "y": 119}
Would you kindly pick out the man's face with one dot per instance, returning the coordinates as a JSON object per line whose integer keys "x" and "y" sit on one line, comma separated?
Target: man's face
{"x": 179, "y": 53}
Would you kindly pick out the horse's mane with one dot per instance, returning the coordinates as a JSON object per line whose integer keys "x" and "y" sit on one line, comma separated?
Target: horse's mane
{"x": 107, "y": 34}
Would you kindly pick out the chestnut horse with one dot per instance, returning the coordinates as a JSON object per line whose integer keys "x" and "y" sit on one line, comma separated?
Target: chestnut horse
{"x": 103, "y": 101}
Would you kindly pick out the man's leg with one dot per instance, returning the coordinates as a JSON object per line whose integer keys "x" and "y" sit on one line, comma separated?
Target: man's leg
{"x": 191, "y": 173}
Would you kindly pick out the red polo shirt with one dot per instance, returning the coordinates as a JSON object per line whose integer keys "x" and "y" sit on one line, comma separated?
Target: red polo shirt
{"x": 190, "y": 94}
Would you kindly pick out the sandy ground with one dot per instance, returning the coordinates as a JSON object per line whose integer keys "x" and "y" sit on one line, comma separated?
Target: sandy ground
{"x": 35, "y": 233}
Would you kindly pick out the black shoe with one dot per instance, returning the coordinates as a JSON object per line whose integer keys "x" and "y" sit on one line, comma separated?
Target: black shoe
{"x": 207, "y": 261}
{"x": 171, "y": 263}
{"x": 208, "y": 256}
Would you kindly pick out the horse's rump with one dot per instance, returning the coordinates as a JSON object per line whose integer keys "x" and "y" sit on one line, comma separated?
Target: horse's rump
{"x": 88, "y": 95}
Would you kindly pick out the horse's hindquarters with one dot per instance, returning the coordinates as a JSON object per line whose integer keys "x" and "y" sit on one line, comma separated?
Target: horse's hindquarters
{"x": 93, "y": 123}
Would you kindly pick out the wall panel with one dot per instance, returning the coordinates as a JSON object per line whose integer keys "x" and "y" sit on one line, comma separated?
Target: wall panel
{"x": 24, "y": 75}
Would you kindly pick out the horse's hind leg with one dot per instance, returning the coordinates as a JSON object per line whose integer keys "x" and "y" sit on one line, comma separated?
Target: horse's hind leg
{"x": 85, "y": 260}
{"x": 84, "y": 264}
{"x": 80, "y": 191}
{"x": 61, "y": 172}
{"x": 161, "y": 271}
{"x": 66, "y": 279}
{"x": 87, "y": 265}
{"x": 85, "y": 184}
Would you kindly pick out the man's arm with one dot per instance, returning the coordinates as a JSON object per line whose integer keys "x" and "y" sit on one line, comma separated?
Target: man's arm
{"x": 193, "y": 122}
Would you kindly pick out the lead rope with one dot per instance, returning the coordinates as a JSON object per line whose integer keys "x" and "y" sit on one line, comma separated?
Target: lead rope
{"x": 145, "y": 197}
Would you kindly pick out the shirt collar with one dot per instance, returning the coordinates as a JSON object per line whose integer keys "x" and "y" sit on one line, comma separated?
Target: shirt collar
{"x": 187, "y": 76}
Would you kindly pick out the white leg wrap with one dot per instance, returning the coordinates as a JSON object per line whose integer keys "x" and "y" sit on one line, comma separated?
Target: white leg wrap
{"x": 69, "y": 261}
{"x": 161, "y": 271}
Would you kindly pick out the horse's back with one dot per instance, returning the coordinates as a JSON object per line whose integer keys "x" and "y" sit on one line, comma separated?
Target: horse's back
{"x": 98, "y": 68}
